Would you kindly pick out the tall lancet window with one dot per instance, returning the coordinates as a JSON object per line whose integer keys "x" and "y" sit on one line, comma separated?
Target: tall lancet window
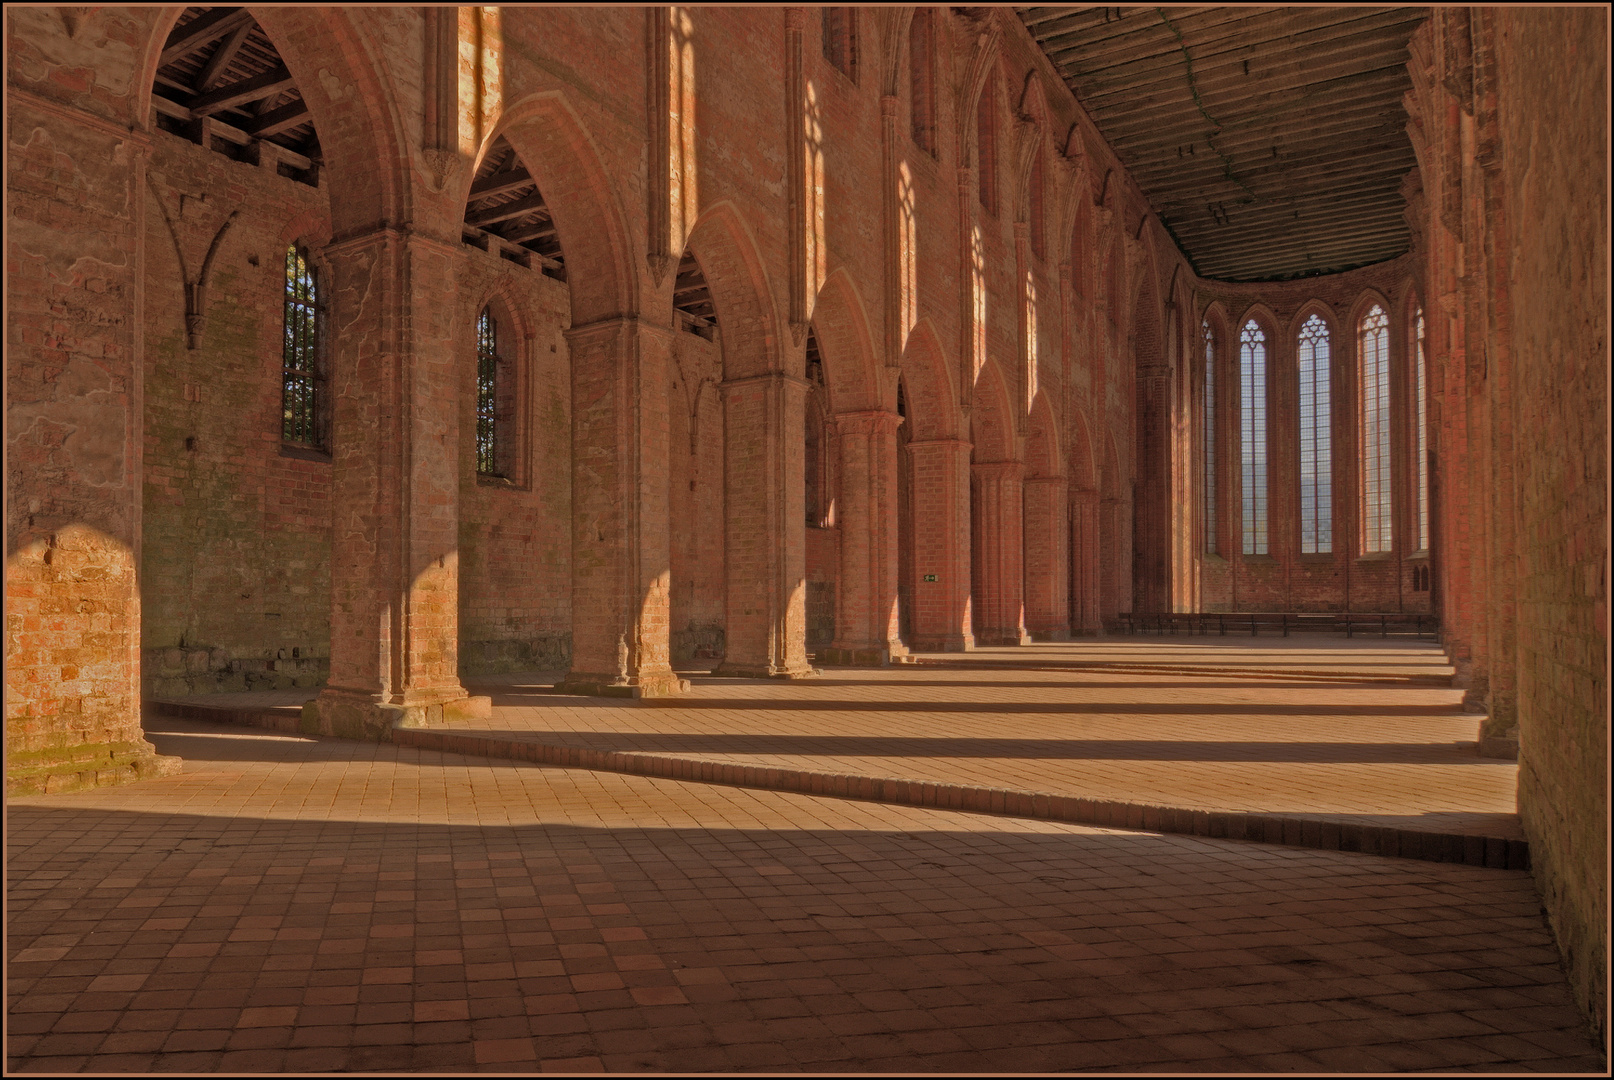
{"x": 487, "y": 394}
{"x": 302, "y": 382}
{"x": 1420, "y": 389}
{"x": 1316, "y": 451}
{"x": 1374, "y": 350}
{"x": 1253, "y": 435}
{"x": 1210, "y": 435}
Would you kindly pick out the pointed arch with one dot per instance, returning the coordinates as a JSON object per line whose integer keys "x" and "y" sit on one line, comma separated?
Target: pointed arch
{"x": 1045, "y": 454}
{"x": 1080, "y": 466}
{"x": 735, "y": 272}
{"x": 992, "y": 425}
{"x": 552, "y": 140}
{"x": 933, "y": 411}
{"x": 335, "y": 68}
{"x": 841, "y": 324}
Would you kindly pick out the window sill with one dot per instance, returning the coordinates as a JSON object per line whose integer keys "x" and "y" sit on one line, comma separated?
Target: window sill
{"x": 1268, "y": 560}
{"x": 1376, "y": 557}
{"x": 305, "y": 453}
{"x": 1316, "y": 558}
{"x": 1212, "y": 558}
{"x": 484, "y": 480}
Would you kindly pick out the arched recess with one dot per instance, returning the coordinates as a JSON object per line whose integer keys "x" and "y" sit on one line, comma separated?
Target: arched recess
{"x": 359, "y": 137}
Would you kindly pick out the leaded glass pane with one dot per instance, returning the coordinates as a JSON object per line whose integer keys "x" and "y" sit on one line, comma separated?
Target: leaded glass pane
{"x": 1316, "y": 452}
{"x": 1253, "y": 435}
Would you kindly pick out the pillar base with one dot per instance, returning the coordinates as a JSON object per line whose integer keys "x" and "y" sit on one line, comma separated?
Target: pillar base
{"x": 730, "y": 670}
{"x": 1052, "y": 633}
{"x": 77, "y": 768}
{"x": 943, "y": 643}
{"x": 864, "y": 656}
{"x": 348, "y": 714}
{"x": 1003, "y": 637}
{"x": 651, "y": 684}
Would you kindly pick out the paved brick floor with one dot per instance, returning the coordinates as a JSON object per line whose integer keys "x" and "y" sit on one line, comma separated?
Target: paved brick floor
{"x": 291, "y": 904}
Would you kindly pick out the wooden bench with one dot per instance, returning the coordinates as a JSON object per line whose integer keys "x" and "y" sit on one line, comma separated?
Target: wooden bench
{"x": 1254, "y": 623}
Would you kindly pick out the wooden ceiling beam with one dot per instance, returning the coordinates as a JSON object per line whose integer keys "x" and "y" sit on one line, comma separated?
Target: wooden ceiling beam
{"x": 505, "y": 211}
{"x": 501, "y": 183}
{"x": 280, "y": 120}
{"x": 207, "y": 27}
{"x": 1315, "y": 31}
{"x": 257, "y": 86}
{"x": 220, "y": 60}
{"x": 1229, "y": 100}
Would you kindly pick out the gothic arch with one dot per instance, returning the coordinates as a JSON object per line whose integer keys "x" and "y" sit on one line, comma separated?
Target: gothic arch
{"x": 555, "y": 145}
{"x": 735, "y": 273}
{"x": 932, "y": 404}
{"x": 992, "y": 417}
{"x": 1080, "y": 466}
{"x": 359, "y": 130}
{"x": 1045, "y": 456}
{"x": 840, "y": 322}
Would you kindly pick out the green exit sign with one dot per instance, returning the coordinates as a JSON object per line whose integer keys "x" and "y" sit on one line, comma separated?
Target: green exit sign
{"x": 930, "y": 577}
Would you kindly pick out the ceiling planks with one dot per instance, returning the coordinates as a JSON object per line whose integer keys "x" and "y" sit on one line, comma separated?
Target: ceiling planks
{"x": 221, "y": 82}
{"x": 1270, "y": 141}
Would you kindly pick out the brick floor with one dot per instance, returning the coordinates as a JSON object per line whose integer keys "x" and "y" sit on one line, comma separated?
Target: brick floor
{"x": 294, "y": 904}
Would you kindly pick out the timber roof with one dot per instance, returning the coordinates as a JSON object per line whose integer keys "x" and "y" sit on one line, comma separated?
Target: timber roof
{"x": 1270, "y": 141}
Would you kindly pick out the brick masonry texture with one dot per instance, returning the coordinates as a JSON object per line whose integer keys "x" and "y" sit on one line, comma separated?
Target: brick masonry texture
{"x": 1007, "y": 276}
{"x": 291, "y": 904}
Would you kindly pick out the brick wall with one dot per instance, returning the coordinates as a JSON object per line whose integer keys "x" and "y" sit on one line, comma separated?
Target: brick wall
{"x": 235, "y": 562}
{"x": 515, "y": 530}
{"x": 1551, "y": 99}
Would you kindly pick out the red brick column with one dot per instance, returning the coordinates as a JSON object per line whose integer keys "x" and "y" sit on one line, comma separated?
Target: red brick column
{"x": 75, "y": 281}
{"x": 1000, "y": 583}
{"x": 941, "y": 545}
{"x": 866, "y": 624}
{"x": 1084, "y": 580}
{"x": 764, "y": 530}
{"x": 395, "y": 489}
{"x": 621, "y": 553}
{"x": 1047, "y": 565}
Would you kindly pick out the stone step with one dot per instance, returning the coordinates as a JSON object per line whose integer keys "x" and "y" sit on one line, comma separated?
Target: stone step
{"x": 1326, "y": 832}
